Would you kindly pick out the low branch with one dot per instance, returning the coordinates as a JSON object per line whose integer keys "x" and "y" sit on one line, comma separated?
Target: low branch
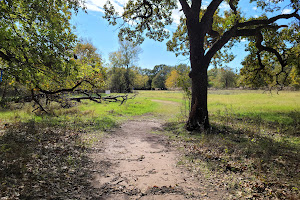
{"x": 37, "y": 102}
{"x": 64, "y": 90}
{"x": 99, "y": 99}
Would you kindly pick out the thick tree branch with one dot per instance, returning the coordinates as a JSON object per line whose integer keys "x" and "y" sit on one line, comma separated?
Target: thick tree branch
{"x": 196, "y": 6}
{"x": 207, "y": 19}
{"x": 268, "y": 21}
{"x": 232, "y": 6}
{"x": 185, "y": 7}
{"x": 221, "y": 42}
{"x": 213, "y": 33}
{"x": 258, "y": 44}
{"x": 245, "y": 32}
{"x": 235, "y": 32}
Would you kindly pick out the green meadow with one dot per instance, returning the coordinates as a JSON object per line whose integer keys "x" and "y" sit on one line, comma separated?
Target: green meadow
{"x": 282, "y": 108}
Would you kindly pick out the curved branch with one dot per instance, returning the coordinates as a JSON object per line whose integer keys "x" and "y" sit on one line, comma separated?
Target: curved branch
{"x": 235, "y": 32}
{"x": 147, "y": 7}
{"x": 268, "y": 21}
{"x": 221, "y": 42}
{"x": 258, "y": 44}
{"x": 207, "y": 19}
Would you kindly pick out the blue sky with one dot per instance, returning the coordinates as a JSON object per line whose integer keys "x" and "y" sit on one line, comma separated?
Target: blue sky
{"x": 93, "y": 27}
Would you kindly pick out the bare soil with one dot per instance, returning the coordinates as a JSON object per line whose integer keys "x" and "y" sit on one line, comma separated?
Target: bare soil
{"x": 133, "y": 162}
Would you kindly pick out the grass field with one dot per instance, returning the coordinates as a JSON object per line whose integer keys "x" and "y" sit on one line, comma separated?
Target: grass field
{"x": 281, "y": 108}
{"x": 254, "y": 145}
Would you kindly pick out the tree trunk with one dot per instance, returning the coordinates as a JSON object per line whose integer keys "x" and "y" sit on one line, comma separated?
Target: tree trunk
{"x": 198, "y": 117}
{"x": 127, "y": 81}
{"x": 2, "y": 101}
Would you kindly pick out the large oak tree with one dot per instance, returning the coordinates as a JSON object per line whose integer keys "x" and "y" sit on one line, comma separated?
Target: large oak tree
{"x": 205, "y": 39}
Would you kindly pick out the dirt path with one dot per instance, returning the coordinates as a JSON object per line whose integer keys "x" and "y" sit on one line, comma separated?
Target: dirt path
{"x": 166, "y": 102}
{"x": 135, "y": 163}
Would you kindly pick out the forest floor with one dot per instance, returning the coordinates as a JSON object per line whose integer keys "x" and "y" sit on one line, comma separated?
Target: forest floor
{"x": 135, "y": 162}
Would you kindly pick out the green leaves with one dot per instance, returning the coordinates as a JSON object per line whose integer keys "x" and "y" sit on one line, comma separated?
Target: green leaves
{"x": 36, "y": 39}
{"x": 271, "y": 74}
{"x": 139, "y": 17}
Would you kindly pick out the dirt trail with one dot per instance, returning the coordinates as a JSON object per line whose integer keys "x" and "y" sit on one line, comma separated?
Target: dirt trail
{"x": 135, "y": 163}
{"x": 166, "y": 102}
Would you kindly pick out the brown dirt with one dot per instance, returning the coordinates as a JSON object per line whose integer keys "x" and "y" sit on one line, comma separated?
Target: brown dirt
{"x": 135, "y": 163}
{"x": 166, "y": 102}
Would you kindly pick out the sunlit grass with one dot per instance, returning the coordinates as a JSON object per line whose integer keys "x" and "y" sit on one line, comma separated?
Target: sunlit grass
{"x": 283, "y": 108}
{"x": 132, "y": 107}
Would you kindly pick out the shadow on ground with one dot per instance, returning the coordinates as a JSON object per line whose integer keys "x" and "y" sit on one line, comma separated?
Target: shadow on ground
{"x": 38, "y": 161}
{"x": 255, "y": 162}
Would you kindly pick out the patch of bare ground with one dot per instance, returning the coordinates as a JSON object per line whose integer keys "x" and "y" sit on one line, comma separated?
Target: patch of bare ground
{"x": 135, "y": 163}
{"x": 166, "y": 102}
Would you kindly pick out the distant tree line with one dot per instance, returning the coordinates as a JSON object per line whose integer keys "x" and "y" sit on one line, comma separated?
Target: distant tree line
{"x": 125, "y": 77}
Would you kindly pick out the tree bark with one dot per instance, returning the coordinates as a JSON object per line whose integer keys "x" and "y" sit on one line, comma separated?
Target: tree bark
{"x": 198, "y": 117}
{"x": 127, "y": 81}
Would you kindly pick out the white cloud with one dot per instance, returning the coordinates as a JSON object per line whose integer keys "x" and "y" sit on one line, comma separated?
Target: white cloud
{"x": 176, "y": 16}
{"x": 93, "y": 7}
{"x": 224, "y": 6}
{"x": 97, "y": 5}
{"x": 286, "y": 11}
{"x": 119, "y": 5}
{"x": 254, "y": 8}
{"x": 204, "y": 6}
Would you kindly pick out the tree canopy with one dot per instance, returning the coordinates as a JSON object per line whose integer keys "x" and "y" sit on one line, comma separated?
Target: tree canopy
{"x": 36, "y": 40}
{"x": 267, "y": 71}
